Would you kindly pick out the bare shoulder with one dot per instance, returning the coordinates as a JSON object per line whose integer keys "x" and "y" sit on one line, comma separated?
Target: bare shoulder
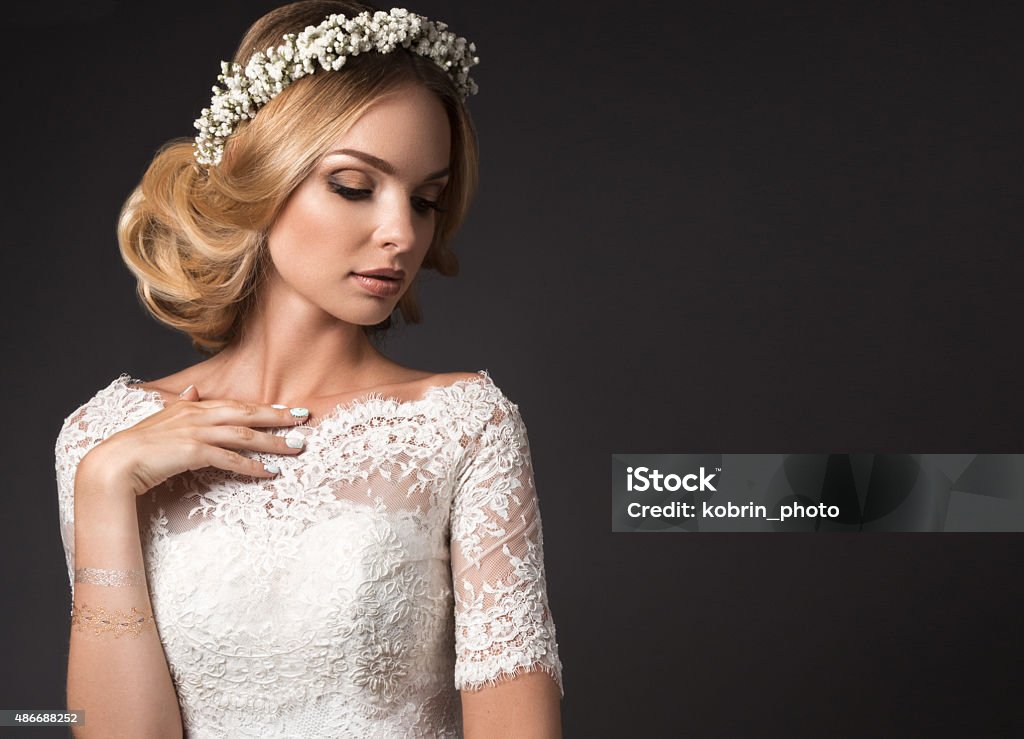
{"x": 446, "y": 378}
{"x": 170, "y": 386}
{"x": 174, "y": 384}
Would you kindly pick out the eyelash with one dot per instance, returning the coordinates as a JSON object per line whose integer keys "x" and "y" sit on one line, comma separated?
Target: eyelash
{"x": 349, "y": 193}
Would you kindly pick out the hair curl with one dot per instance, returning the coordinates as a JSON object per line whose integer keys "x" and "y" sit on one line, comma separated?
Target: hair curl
{"x": 195, "y": 237}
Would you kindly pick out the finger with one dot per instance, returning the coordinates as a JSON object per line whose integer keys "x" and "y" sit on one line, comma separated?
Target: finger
{"x": 189, "y": 393}
{"x": 228, "y": 459}
{"x": 244, "y": 437}
{"x": 253, "y": 415}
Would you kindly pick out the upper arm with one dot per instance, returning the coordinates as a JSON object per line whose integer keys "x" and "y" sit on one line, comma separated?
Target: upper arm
{"x": 81, "y": 431}
{"x": 70, "y": 445}
{"x": 507, "y": 663}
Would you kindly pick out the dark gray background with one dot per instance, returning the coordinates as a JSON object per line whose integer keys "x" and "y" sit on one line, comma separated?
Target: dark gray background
{"x": 732, "y": 227}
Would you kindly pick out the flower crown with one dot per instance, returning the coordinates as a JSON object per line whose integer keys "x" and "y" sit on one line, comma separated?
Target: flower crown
{"x": 267, "y": 74}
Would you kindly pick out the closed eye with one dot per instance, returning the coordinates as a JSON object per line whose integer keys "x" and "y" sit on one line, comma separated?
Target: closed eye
{"x": 422, "y": 205}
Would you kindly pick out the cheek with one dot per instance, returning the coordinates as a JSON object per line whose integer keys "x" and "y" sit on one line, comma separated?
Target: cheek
{"x": 307, "y": 235}
{"x": 425, "y": 229}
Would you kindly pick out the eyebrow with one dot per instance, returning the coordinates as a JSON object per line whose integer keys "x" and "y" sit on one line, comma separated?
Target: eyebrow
{"x": 385, "y": 167}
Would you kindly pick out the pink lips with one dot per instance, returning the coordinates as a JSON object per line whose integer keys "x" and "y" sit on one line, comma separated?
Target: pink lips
{"x": 396, "y": 274}
{"x": 382, "y": 288}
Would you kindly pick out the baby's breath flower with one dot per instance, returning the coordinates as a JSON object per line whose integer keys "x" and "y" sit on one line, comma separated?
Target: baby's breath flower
{"x": 329, "y": 44}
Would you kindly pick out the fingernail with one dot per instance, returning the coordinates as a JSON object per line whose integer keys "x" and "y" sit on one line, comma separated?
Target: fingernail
{"x": 182, "y": 393}
{"x": 300, "y": 412}
{"x": 271, "y": 468}
{"x": 279, "y": 406}
{"x": 295, "y": 439}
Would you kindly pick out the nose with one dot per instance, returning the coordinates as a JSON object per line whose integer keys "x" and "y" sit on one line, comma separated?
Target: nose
{"x": 398, "y": 226}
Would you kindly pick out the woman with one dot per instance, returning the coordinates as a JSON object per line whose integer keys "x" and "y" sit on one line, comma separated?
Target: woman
{"x": 310, "y": 539}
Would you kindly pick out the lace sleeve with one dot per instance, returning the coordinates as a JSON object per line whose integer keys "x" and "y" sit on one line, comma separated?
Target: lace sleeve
{"x": 73, "y": 441}
{"x": 503, "y": 626}
{"x": 112, "y": 408}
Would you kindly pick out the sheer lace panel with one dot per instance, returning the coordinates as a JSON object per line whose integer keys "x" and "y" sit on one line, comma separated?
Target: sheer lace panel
{"x": 397, "y": 559}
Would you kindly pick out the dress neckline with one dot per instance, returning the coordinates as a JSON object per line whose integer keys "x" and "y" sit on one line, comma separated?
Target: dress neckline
{"x": 375, "y": 400}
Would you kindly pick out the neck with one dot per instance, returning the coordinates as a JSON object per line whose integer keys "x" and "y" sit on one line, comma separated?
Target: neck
{"x": 291, "y": 352}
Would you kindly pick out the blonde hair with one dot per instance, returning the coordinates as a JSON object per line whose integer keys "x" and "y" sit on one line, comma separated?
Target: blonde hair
{"x": 195, "y": 238}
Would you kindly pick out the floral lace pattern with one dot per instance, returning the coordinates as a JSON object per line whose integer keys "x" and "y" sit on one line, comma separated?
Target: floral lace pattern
{"x": 396, "y": 561}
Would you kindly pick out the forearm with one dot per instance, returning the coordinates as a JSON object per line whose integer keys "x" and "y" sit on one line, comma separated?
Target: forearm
{"x": 122, "y": 682}
{"x": 527, "y": 707}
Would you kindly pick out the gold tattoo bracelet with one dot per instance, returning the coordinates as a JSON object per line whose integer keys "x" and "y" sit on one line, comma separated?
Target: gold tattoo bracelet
{"x": 115, "y": 578}
{"x": 102, "y": 621}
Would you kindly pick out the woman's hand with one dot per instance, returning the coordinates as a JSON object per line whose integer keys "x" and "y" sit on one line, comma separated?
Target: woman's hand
{"x": 189, "y": 434}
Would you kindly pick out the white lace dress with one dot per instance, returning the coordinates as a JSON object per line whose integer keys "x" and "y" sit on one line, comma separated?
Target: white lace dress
{"x": 394, "y": 562}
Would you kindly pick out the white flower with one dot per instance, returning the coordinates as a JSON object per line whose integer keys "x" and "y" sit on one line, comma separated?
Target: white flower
{"x": 266, "y": 75}
{"x": 382, "y": 668}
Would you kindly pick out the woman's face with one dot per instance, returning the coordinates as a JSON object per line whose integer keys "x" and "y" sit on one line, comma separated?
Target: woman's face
{"x": 366, "y": 209}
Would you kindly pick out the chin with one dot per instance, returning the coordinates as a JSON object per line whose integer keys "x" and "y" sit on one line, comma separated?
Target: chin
{"x": 364, "y": 318}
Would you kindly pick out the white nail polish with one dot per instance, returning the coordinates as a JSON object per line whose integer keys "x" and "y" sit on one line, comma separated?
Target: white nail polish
{"x": 295, "y": 439}
{"x": 182, "y": 393}
{"x": 300, "y": 412}
{"x": 279, "y": 406}
{"x": 271, "y": 467}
